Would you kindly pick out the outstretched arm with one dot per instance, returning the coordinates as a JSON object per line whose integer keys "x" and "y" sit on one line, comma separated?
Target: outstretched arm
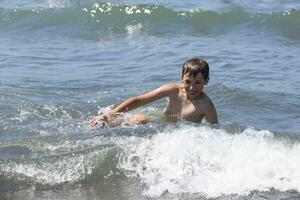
{"x": 135, "y": 102}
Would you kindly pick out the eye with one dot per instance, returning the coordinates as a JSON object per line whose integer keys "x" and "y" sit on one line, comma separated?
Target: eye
{"x": 199, "y": 83}
{"x": 187, "y": 81}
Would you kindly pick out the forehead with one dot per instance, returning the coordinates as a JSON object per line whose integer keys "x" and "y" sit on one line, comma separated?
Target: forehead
{"x": 189, "y": 76}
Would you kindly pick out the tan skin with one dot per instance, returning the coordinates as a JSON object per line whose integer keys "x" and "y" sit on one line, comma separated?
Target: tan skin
{"x": 186, "y": 101}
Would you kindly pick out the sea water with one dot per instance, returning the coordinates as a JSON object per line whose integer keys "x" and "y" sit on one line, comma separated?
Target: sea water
{"x": 64, "y": 61}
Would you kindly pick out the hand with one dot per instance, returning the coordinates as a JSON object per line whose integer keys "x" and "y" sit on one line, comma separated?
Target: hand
{"x": 103, "y": 119}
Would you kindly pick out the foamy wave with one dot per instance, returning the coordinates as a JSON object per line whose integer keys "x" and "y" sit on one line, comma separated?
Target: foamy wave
{"x": 34, "y": 111}
{"x": 55, "y": 170}
{"x": 114, "y": 18}
{"x": 133, "y": 29}
{"x": 52, "y": 4}
{"x": 212, "y": 162}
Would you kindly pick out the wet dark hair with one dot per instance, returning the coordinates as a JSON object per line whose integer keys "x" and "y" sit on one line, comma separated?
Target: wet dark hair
{"x": 194, "y": 66}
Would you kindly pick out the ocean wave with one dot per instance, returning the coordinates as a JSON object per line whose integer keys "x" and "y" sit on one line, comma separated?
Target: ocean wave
{"x": 212, "y": 162}
{"x": 182, "y": 158}
{"x": 119, "y": 18}
{"x": 84, "y": 166}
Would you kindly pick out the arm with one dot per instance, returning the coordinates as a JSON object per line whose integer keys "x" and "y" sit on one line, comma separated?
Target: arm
{"x": 211, "y": 113}
{"x": 135, "y": 102}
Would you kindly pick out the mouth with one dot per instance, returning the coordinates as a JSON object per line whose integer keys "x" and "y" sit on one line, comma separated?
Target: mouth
{"x": 193, "y": 93}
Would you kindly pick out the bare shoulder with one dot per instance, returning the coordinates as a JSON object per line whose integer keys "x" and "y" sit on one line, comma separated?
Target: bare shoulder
{"x": 173, "y": 85}
{"x": 207, "y": 101}
{"x": 204, "y": 104}
{"x": 171, "y": 88}
{"x": 209, "y": 109}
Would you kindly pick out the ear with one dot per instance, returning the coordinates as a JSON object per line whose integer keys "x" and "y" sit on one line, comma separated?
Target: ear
{"x": 206, "y": 81}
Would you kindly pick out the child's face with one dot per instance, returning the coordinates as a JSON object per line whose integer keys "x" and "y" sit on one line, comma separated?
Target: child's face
{"x": 193, "y": 85}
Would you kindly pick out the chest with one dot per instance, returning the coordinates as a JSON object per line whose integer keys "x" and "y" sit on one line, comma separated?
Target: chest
{"x": 184, "y": 109}
{"x": 188, "y": 109}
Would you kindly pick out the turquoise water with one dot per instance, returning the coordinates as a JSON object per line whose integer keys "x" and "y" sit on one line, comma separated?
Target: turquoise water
{"x": 62, "y": 62}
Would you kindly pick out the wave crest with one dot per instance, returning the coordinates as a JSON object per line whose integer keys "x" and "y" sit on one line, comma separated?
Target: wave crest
{"x": 116, "y": 17}
{"x": 212, "y": 162}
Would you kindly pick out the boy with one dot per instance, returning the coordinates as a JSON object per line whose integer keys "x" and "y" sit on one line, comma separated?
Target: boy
{"x": 186, "y": 101}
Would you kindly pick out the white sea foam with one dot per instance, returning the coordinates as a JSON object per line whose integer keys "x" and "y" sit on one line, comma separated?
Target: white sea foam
{"x": 29, "y": 111}
{"x": 212, "y": 162}
{"x": 133, "y": 29}
{"x": 104, "y": 109}
{"x": 55, "y": 171}
{"x": 58, "y": 3}
{"x": 55, "y": 4}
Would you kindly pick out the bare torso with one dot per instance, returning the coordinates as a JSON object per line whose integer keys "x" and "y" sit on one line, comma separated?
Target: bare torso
{"x": 179, "y": 107}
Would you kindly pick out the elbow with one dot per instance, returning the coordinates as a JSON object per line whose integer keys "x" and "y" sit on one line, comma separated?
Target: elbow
{"x": 137, "y": 101}
{"x": 132, "y": 103}
{"x": 212, "y": 120}
{"x": 215, "y": 122}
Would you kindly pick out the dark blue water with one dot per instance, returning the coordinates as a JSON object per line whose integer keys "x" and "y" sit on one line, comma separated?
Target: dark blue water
{"x": 62, "y": 62}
